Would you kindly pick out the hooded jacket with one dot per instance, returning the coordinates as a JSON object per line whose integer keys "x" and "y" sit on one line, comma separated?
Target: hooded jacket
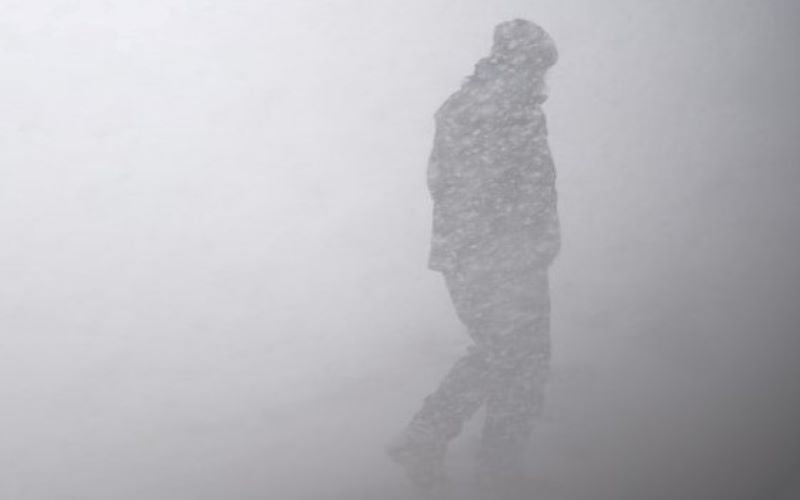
{"x": 490, "y": 173}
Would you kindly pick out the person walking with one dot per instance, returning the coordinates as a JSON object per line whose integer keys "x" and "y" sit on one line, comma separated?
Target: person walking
{"x": 495, "y": 233}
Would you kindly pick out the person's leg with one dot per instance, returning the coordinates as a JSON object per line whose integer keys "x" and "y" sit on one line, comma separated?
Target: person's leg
{"x": 511, "y": 410}
{"x": 521, "y": 353}
{"x": 465, "y": 387}
{"x": 422, "y": 447}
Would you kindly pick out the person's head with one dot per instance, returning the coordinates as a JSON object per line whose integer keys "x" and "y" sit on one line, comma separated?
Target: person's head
{"x": 524, "y": 42}
{"x": 521, "y": 47}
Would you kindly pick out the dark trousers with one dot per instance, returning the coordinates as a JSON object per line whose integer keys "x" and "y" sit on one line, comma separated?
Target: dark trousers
{"x": 507, "y": 314}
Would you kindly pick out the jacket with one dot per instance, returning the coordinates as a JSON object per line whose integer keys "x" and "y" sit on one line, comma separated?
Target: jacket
{"x": 492, "y": 179}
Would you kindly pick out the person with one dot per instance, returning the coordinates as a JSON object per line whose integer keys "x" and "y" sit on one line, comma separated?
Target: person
{"x": 495, "y": 233}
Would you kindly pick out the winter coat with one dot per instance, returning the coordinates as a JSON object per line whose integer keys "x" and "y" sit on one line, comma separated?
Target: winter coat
{"x": 492, "y": 179}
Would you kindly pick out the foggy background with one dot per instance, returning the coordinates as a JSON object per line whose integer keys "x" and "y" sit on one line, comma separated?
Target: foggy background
{"x": 214, "y": 230}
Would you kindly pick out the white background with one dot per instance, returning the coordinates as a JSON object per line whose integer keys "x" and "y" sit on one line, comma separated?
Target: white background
{"x": 214, "y": 230}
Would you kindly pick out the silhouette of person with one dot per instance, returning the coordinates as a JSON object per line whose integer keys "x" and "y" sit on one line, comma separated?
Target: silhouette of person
{"x": 495, "y": 233}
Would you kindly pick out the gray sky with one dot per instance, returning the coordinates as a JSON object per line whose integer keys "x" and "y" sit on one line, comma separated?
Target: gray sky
{"x": 215, "y": 228}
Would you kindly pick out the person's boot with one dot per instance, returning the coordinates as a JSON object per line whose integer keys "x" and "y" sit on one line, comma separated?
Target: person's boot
{"x": 421, "y": 455}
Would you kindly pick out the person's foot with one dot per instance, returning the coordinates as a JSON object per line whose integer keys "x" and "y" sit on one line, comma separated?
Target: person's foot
{"x": 421, "y": 456}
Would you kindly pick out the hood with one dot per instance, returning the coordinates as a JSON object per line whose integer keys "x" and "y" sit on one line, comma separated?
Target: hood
{"x": 524, "y": 42}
